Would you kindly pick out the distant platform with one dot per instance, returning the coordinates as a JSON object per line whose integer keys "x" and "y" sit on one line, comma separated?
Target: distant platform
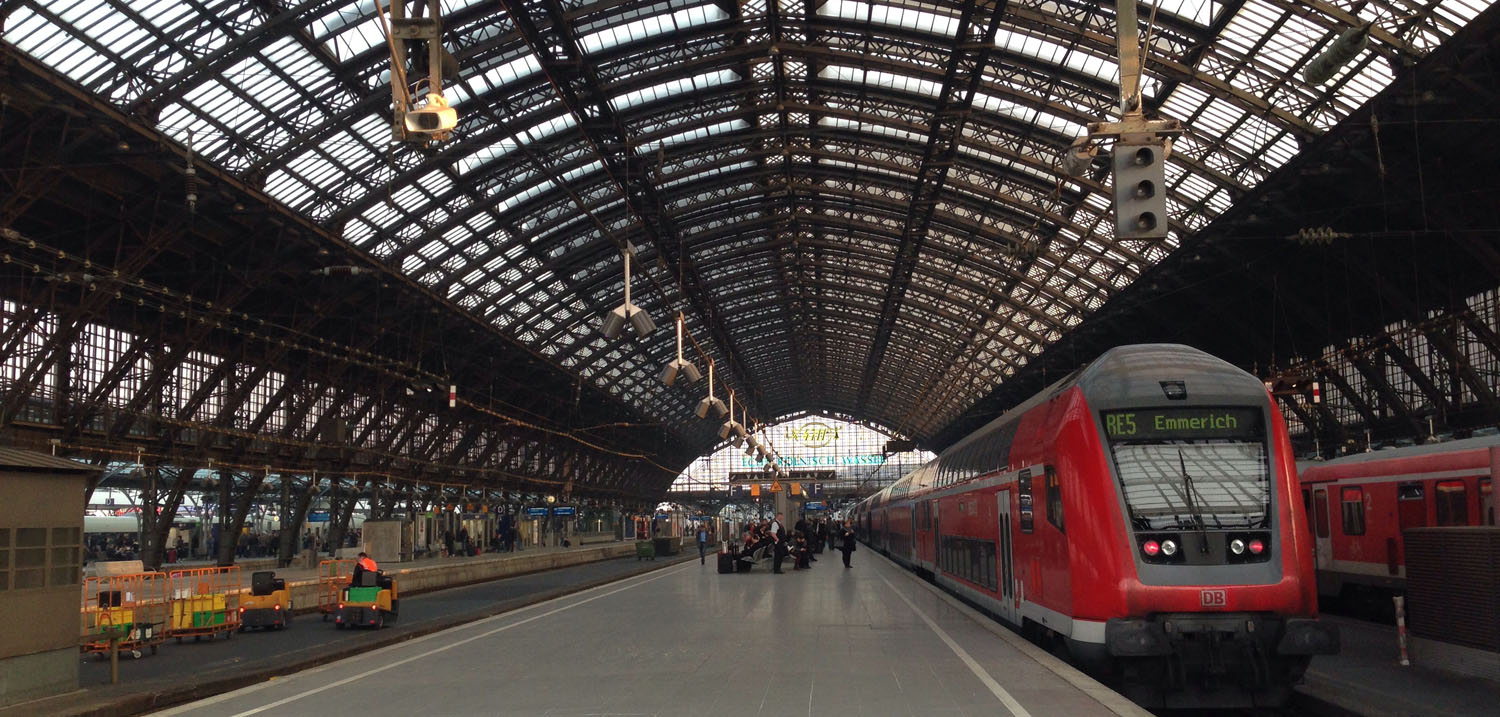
{"x": 686, "y": 640}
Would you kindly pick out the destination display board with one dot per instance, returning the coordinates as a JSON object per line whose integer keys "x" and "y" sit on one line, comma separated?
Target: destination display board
{"x": 564, "y": 511}
{"x": 1164, "y": 424}
{"x": 536, "y": 512}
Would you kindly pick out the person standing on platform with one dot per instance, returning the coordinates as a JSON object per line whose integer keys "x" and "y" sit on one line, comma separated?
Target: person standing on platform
{"x": 702, "y": 544}
{"x": 779, "y": 548}
{"x": 846, "y": 543}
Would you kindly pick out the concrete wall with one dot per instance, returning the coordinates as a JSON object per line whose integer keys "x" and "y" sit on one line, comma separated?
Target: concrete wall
{"x": 41, "y": 611}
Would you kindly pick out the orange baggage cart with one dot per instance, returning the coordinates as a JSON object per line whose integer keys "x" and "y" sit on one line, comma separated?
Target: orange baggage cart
{"x": 129, "y": 609}
{"x": 204, "y": 602}
{"x": 333, "y": 577}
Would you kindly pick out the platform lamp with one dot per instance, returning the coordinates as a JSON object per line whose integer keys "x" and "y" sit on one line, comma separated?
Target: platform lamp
{"x": 732, "y": 431}
{"x": 752, "y": 443}
{"x": 614, "y": 321}
{"x": 681, "y": 366}
{"x": 711, "y": 406}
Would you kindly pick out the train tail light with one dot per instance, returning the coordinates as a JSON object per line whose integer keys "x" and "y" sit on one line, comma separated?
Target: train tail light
{"x": 1237, "y": 546}
{"x": 1151, "y": 548}
{"x": 1169, "y": 547}
{"x": 1257, "y": 546}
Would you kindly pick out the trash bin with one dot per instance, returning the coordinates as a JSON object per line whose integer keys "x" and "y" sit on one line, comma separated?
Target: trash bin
{"x": 645, "y": 549}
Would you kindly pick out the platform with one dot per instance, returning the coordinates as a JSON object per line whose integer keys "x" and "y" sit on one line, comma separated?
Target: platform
{"x": 872, "y": 640}
{"x": 1366, "y": 678}
{"x": 193, "y": 670}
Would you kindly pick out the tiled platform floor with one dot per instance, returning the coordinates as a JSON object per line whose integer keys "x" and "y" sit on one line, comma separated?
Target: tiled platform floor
{"x": 872, "y": 640}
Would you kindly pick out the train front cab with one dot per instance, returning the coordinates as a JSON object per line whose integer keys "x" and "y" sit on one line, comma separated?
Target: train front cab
{"x": 1219, "y": 609}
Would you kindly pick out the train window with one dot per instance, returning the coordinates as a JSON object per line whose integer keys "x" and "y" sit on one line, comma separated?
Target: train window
{"x": 970, "y": 560}
{"x": 4, "y": 559}
{"x": 1486, "y": 506}
{"x": 1353, "y": 503}
{"x": 1452, "y": 503}
{"x": 1023, "y": 497}
{"x": 1054, "y": 499}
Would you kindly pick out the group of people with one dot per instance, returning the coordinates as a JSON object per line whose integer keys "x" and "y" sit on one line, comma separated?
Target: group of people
{"x": 113, "y": 548}
{"x": 803, "y": 542}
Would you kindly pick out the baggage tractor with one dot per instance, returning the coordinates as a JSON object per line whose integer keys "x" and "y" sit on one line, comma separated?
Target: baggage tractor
{"x": 726, "y": 563}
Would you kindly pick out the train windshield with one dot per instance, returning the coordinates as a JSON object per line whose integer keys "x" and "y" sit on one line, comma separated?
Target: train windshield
{"x": 1189, "y": 468}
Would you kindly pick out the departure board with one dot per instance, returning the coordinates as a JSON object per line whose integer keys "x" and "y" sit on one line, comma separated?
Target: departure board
{"x": 1162, "y": 424}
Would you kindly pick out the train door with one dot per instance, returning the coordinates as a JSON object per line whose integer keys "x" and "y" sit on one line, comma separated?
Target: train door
{"x": 1006, "y": 556}
{"x": 1486, "y": 501}
{"x": 1323, "y": 544}
{"x": 937, "y": 538}
{"x": 913, "y": 552}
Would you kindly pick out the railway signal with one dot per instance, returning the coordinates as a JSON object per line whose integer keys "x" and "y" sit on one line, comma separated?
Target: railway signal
{"x": 1140, "y": 189}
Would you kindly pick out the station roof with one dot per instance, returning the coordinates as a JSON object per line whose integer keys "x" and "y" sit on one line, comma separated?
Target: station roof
{"x": 855, "y": 205}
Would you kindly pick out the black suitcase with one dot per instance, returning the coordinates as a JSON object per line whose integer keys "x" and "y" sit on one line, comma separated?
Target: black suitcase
{"x": 726, "y": 563}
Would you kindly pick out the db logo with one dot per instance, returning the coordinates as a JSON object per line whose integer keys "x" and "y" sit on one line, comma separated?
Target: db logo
{"x": 1215, "y": 598}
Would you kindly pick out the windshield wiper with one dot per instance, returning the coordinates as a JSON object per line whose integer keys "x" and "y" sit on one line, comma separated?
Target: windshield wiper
{"x": 1188, "y": 491}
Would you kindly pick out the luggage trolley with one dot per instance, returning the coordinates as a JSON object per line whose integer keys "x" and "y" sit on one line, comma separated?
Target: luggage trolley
{"x": 130, "y": 610}
{"x": 333, "y": 577}
{"x": 205, "y": 601}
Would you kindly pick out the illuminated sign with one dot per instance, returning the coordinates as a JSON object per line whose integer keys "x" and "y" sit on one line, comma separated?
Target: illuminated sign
{"x": 813, "y": 435}
{"x": 818, "y": 461}
{"x": 1183, "y": 424}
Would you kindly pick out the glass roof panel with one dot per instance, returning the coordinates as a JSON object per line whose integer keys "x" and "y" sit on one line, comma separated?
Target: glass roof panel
{"x": 303, "y": 111}
{"x": 652, "y": 26}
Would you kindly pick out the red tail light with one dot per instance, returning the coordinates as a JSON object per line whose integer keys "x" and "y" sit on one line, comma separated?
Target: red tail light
{"x": 1152, "y": 548}
{"x": 341, "y": 606}
{"x": 278, "y": 607}
{"x": 1257, "y": 547}
{"x": 242, "y": 610}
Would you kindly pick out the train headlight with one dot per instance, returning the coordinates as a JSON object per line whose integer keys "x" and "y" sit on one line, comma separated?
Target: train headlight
{"x": 1169, "y": 548}
{"x": 1151, "y": 548}
{"x": 1237, "y": 546}
{"x": 1257, "y": 546}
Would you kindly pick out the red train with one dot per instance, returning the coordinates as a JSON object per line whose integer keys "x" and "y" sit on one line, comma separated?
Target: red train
{"x": 1143, "y": 513}
{"x": 1358, "y": 505}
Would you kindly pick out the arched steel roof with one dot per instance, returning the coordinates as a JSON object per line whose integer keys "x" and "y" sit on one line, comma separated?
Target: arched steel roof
{"x": 854, "y": 203}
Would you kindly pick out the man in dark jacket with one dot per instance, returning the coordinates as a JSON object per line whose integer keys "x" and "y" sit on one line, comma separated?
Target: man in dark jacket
{"x": 846, "y": 543}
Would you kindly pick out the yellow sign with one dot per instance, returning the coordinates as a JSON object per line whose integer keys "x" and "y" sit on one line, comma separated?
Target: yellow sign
{"x": 796, "y": 489}
{"x": 776, "y": 487}
{"x": 755, "y": 490}
{"x": 814, "y": 434}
